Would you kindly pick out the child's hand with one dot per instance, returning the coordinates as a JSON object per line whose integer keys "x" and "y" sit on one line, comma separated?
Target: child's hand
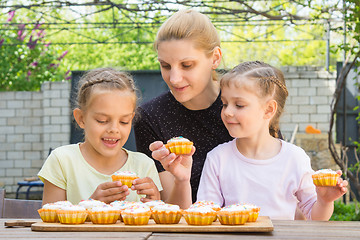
{"x": 330, "y": 194}
{"x": 146, "y": 186}
{"x": 178, "y": 165}
{"x": 110, "y": 191}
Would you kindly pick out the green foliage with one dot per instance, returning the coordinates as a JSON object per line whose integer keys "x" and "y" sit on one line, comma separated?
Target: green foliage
{"x": 26, "y": 60}
{"x": 345, "y": 212}
{"x": 116, "y": 46}
{"x": 281, "y": 44}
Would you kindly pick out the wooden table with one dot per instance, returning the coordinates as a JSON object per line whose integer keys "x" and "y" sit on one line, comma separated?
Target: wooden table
{"x": 282, "y": 230}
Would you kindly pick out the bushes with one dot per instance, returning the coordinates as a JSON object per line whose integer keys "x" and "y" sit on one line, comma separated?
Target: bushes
{"x": 26, "y": 60}
{"x": 345, "y": 212}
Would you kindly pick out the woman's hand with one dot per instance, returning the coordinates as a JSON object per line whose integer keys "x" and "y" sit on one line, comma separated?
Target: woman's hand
{"x": 146, "y": 186}
{"x": 330, "y": 194}
{"x": 110, "y": 191}
{"x": 178, "y": 165}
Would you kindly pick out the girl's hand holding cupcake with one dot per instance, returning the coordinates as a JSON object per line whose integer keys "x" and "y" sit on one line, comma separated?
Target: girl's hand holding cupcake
{"x": 331, "y": 193}
{"x": 110, "y": 191}
{"x": 178, "y": 165}
{"x": 146, "y": 186}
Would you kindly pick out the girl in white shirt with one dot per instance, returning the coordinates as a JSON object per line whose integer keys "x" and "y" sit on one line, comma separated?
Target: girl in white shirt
{"x": 256, "y": 167}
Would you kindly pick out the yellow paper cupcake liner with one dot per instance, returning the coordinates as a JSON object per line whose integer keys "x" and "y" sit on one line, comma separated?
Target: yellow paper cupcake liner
{"x": 71, "y": 217}
{"x": 125, "y": 180}
{"x": 179, "y": 147}
{"x": 136, "y": 218}
{"x": 166, "y": 217}
{"x": 48, "y": 215}
{"x": 237, "y": 218}
{"x": 104, "y": 217}
{"x": 328, "y": 180}
{"x": 253, "y": 216}
{"x": 199, "y": 218}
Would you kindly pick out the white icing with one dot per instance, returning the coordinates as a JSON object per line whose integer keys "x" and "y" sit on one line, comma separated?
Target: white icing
{"x": 50, "y": 206}
{"x": 234, "y": 207}
{"x": 125, "y": 173}
{"x": 72, "y": 208}
{"x": 166, "y": 207}
{"x": 125, "y": 204}
{"x": 325, "y": 171}
{"x": 202, "y": 209}
{"x": 178, "y": 139}
{"x": 249, "y": 206}
{"x": 103, "y": 208}
{"x": 136, "y": 209}
{"x": 205, "y": 203}
{"x": 88, "y": 204}
{"x": 63, "y": 203}
{"x": 154, "y": 203}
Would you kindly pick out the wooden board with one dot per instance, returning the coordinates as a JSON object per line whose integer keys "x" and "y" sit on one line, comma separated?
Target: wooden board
{"x": 263, "y": 224}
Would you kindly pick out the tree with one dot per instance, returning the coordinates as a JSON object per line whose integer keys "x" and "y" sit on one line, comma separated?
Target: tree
{"x": 353, "y": 50}
{"x": 26, "y": 59}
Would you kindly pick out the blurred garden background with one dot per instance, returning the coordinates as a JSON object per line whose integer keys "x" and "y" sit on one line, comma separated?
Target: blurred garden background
{"x": 44, "y": 42}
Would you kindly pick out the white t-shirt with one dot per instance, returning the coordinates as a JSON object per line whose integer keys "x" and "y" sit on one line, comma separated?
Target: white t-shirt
{"x": 66, "y": 168}
{"x": 276, "y": 185}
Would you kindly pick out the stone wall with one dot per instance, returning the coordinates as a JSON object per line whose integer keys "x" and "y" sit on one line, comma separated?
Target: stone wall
{"x": 33, "y": 122}
{"x": 30, "y": 124}
{"x": 316, "y": 147}
{"x": 310, "y": 93}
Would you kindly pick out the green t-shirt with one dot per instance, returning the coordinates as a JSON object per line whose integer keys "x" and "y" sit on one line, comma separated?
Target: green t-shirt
{"x": 66, "y": 168}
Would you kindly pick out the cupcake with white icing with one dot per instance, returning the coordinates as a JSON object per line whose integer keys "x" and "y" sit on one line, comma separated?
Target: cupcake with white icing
{"x": 73, "y": 214}
{"x": 89, "y": 204}
{"x": 136, "y": 215}
{"x": 254, "y": 212}
{"x": 105, "y": 214}
{"x": 233, "y": 215}
{"x": 126, "y": 177}
{"x": 325, "y": 178}
{"x": 202, "y": 215}
{"x": 121, "y": 205}
{"x": 48, "y": 213}
{"x": 166, "y": 214}
{"x": 179, "y": 145}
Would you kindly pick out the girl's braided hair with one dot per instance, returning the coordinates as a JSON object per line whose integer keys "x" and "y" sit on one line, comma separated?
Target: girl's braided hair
{"x": 106, "y": 79}
{"x": 270, "y": 82}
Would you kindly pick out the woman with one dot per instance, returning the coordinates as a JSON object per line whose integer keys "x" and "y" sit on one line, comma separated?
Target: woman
{"x": 188, "y": 48}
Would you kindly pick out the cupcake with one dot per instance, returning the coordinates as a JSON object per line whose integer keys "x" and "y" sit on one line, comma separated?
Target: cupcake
{"x": 210, "y": 204}
{"x": 121, "y": 205}
{"x": 179, "y": 145}
{"x": 152, "y": 204}
{"x": 89, "y": 204}
{"x": 325, "y": 178}
{"x": 48, "y": 213}
{"x": 105, "y": 214}
{"x": 233, "y": 215}
{"x": 254, "y": 212}
{"x": 74, "y": 214}
{"x": 166, "y": 213}
{"x": 136, "y": 215}
{"x": 126, "y": 177}
{"x": 203, "y": 215}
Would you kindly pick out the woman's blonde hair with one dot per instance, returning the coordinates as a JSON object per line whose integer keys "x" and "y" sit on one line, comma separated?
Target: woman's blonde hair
{"x": 269, "y": 80}
{"x": 105, "y": 79}
{"x": 190, "y": 25}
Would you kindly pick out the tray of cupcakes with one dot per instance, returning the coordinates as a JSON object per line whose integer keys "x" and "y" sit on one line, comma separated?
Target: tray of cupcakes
{"x": 154, "y": 216}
